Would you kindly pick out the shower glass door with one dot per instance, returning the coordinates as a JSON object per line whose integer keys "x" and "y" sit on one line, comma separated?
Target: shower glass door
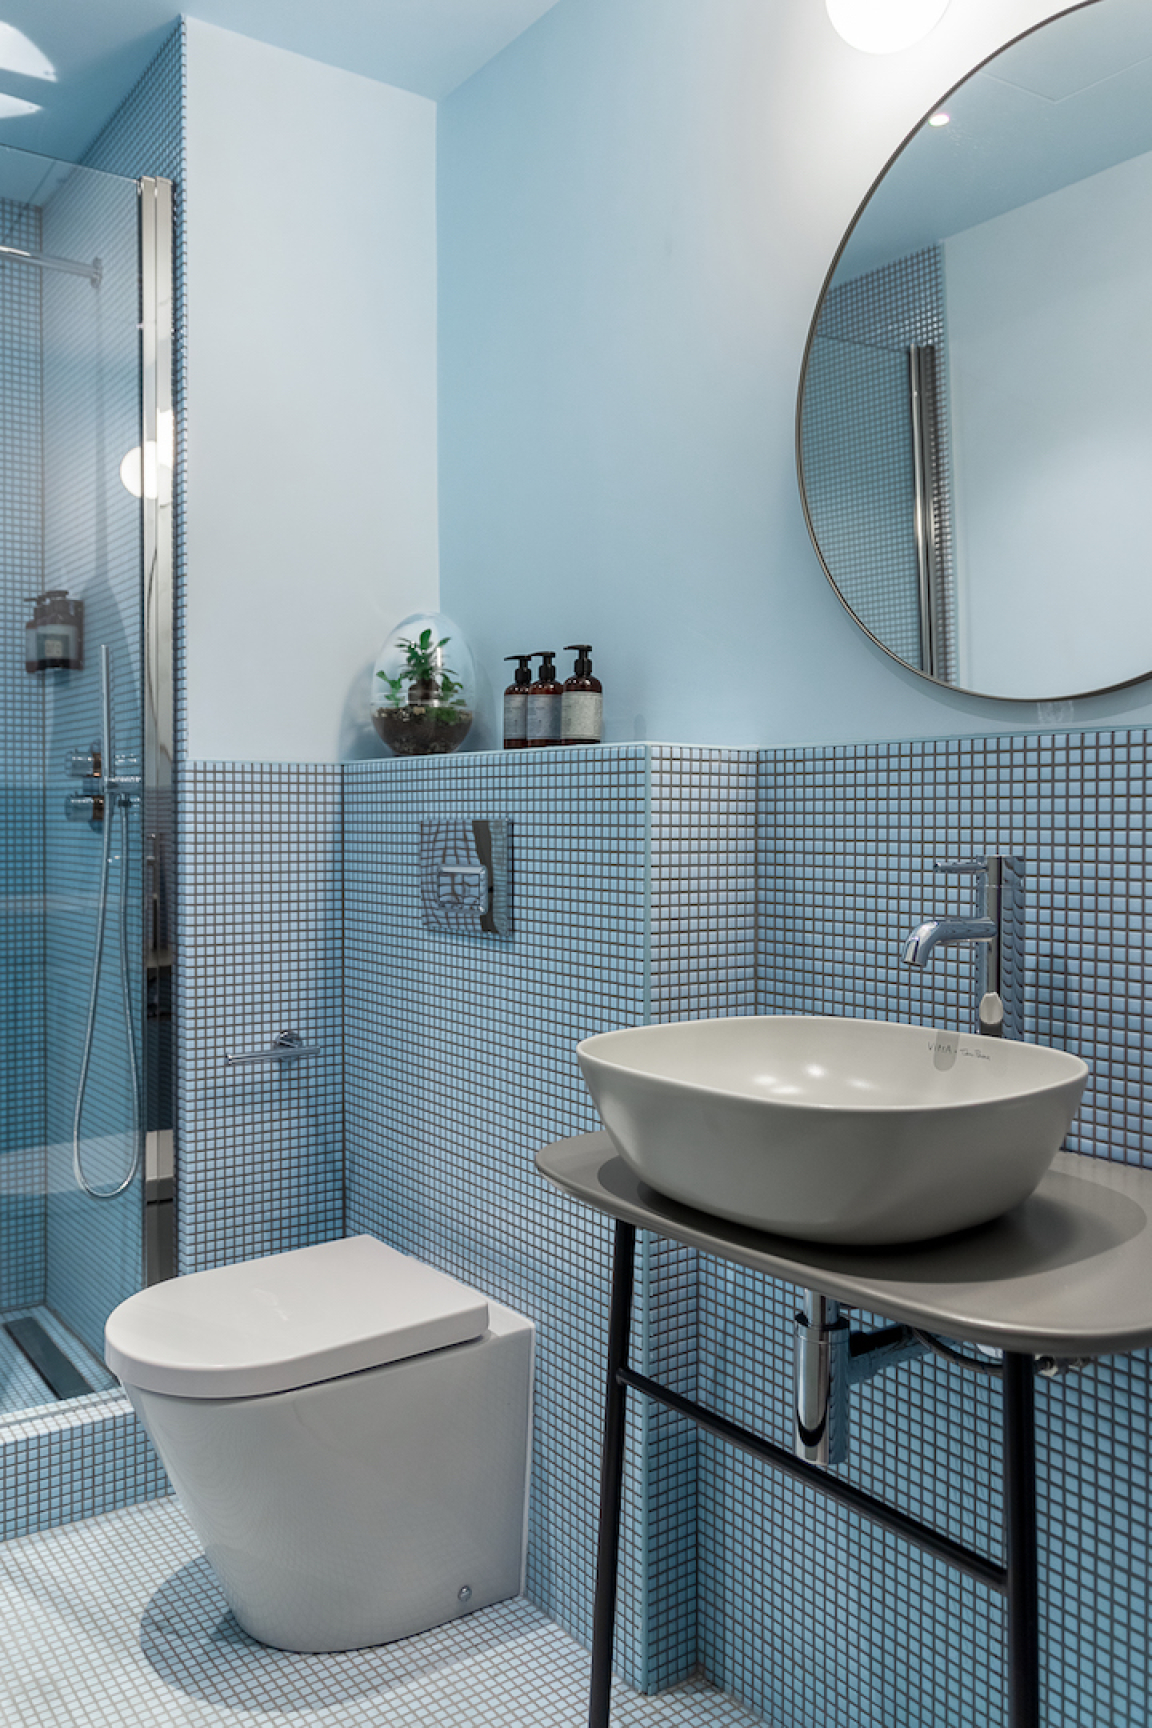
{"x": 85, "y": 476}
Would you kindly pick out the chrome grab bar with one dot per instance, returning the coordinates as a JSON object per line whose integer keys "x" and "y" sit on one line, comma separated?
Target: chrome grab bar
{"x": 285, "y": 1047}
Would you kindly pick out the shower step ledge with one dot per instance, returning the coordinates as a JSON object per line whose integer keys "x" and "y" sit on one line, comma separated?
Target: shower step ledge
{"x": 62, "y": 1462}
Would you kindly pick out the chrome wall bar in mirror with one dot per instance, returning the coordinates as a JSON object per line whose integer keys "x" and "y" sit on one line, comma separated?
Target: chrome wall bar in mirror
{"x": 971, "y": 448}
{"x": 932, "y": 593}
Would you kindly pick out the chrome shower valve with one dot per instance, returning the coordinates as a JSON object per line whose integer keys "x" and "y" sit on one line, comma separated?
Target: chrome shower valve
{"x": 84, "y": 807}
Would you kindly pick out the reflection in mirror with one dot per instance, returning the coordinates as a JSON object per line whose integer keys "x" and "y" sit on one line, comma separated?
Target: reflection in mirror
{"x": 976, "y": 407}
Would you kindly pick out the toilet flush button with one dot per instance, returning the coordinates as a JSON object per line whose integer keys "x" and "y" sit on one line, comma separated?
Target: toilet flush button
{"x": 465, "y": 886}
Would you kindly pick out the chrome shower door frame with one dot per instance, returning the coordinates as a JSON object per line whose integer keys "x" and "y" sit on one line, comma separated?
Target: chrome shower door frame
{"x": 158, "y": 768}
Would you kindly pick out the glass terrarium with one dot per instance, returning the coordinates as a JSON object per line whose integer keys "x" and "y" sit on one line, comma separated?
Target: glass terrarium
{"x": 424, "y": 687}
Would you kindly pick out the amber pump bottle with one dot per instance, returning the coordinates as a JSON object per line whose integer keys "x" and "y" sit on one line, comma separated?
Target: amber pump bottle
{"x": 544, "y": 699}
{"x": 582, "y": 704}
{"x": 516, "y": 704}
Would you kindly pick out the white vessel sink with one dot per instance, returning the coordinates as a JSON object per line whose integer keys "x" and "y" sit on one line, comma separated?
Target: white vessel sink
{"x": 851, "y": 1131}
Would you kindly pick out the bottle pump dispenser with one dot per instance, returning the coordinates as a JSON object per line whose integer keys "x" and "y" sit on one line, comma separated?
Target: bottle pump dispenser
{"x": 516, "y": 704}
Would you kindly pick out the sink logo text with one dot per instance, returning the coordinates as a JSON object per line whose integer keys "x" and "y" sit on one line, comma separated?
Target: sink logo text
{"x": 946, "y": 1050}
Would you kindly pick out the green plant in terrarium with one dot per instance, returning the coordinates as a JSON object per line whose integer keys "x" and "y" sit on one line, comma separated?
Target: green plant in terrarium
{"x": 427, "y": 680}
{"x": 421, "y": 705}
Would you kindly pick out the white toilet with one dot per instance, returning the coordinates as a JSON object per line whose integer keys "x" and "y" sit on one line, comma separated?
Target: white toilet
{"x": 348, "y": 1432}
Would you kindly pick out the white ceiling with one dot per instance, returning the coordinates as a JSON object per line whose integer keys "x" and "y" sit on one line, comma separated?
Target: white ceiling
{"x": 98, "y": 49}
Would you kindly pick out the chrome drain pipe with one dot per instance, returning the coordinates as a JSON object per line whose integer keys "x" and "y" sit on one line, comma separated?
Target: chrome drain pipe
{"x": 829, "y": 1360}
{"x": 821, "y": 1381}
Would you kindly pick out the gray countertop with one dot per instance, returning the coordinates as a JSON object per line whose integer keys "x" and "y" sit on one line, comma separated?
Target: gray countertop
{"x": 1067, "y": 1273}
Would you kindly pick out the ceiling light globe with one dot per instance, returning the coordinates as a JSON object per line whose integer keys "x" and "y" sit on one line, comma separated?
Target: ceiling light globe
{"x": 884, "y": 26}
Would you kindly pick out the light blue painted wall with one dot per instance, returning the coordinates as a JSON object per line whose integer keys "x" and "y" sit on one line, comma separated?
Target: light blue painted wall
{"x": 311, "y": 451}
{"x": 638, "y": 201}
{"x": 1050, "y": 435}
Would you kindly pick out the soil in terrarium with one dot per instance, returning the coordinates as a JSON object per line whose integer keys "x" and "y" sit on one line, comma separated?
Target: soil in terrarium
{"x": 423, "y": 728}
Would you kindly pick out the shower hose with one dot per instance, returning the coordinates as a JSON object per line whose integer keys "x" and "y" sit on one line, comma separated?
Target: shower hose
{"x": 108, "y": 762}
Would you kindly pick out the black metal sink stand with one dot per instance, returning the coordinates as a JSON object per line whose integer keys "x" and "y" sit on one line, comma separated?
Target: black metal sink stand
{"x": 1016, "y": 1580}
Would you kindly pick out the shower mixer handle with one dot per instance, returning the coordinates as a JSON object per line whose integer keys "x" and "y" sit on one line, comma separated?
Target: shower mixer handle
{"x": 85, "y": 764}
{"x": 84, "y": 807}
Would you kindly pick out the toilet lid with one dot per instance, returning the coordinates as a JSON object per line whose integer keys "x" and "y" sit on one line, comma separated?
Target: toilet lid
{"x": 288, "y": 1320}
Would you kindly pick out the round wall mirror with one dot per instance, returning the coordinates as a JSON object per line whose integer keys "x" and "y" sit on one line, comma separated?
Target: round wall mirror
{"x": 974, "y": 426}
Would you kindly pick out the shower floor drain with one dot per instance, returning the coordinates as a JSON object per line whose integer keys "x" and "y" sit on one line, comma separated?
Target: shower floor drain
{"x": 62, "y": 1377}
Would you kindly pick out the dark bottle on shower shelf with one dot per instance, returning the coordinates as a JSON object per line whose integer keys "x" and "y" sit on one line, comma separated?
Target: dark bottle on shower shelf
{"x": 582, "y": 704}
{"x": 54, "y": 637}
{"x": 544, "y": 699}
{"x": 516, "y": 704}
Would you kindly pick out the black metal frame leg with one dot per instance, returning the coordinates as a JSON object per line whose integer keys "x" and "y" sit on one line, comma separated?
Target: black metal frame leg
{"x": 1020, "y": 1542}
{"x": 611, "y": 1477}
{"x": 1018, "y": 1578}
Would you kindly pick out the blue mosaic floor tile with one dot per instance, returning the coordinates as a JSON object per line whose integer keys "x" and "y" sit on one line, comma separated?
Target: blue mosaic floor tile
{"x": 119, "y": 1620}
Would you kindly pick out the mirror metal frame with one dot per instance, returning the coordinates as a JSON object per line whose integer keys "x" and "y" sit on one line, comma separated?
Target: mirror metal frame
{"x": 928, "y": 677}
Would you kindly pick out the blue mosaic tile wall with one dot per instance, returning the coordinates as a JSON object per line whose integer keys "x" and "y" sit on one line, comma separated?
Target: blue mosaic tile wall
{"x": 827, "y": 1620}
{"x": 260, "y": 1161}
{"x": 460, "y": 1064}
{"x": 21, "y": 830}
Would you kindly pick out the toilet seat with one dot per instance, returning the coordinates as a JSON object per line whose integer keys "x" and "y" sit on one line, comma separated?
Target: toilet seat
{"x": 288, "y": 1320}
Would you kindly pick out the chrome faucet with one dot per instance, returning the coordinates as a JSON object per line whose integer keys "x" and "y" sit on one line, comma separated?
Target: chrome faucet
{"x": 994, "y": 930}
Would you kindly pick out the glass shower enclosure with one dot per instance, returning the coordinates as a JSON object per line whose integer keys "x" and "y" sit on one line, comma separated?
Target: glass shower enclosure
{"x": 86, "y": 717}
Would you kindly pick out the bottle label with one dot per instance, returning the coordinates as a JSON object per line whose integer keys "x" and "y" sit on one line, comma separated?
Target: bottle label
{"x": 544, "y": 717}
{"x": 583, "y": 716}
{"x": 515, "y": 716}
